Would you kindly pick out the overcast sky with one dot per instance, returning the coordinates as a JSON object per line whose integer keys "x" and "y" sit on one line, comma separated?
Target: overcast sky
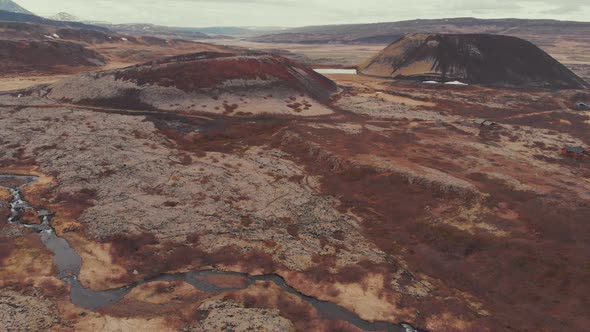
{"x": 196, "y": 13}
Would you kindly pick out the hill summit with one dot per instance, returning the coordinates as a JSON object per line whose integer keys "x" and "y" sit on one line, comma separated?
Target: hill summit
{"x": 11, "y": 6}
{"x": 65, "y": 17}
{"x": 471, "y": 58}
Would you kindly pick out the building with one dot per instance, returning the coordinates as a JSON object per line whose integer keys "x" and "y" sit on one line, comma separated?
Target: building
{"x": 485, "y": 123}
{"x": 576, "y": 152}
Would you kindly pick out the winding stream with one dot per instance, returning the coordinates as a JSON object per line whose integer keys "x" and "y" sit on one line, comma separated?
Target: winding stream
{"x": 68, "y": 263}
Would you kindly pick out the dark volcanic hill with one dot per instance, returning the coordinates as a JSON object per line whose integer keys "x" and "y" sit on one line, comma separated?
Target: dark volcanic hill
{"x": 45, "y": 56}
{"x": 205, "y": 82}
{"x": 11, "y": 6}
{"x": 473, "y": 58}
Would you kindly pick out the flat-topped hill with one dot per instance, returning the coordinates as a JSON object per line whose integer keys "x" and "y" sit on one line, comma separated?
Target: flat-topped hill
{"x": 471, "y": 58}
{"x": 208, "y": 82}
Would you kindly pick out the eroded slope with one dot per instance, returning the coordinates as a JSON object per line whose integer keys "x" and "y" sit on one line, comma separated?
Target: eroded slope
{"x": 242, "y": 84}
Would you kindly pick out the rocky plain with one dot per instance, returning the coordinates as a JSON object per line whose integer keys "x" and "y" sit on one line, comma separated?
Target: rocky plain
{"x": 242, "y": 191}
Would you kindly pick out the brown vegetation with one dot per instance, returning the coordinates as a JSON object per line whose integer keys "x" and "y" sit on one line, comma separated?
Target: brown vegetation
{"x": 430, "y": 218}
{"x": 76, "y": 202}
{"x": 44, "y": 56}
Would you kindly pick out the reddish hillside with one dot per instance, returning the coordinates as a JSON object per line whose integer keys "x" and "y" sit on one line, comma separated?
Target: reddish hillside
{"x": 25, "y": 56}
{"x": 206, "y": 81}
{"x": 474, "y": 58}
{"x": 209, "y": 70}
{"x": 88, "y": 36}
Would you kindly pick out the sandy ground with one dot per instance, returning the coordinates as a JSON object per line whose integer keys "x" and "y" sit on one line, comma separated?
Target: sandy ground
{"x": 15, "y": 82}
{"x": 21, "y": 82}
{"x": 321, "y": 55}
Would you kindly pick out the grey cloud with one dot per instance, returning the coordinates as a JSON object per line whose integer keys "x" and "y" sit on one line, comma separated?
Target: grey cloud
{"x": 564, "y": 9}
{"x": 302, "y": 12}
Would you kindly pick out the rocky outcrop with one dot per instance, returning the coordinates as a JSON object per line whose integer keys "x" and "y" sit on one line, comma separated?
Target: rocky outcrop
{"x": 233, "y": 316}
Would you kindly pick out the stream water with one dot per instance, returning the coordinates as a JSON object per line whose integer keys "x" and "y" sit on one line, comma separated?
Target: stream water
{"x": 68, "y": 264}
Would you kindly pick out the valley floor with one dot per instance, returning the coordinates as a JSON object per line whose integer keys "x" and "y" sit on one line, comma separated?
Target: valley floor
{"x": 396, "y": 207}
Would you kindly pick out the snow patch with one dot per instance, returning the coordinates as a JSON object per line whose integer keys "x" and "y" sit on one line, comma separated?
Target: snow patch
{"x": 456, "y": 83}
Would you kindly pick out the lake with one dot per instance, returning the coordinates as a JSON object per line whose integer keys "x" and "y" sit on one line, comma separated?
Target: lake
{"x": 336, "y": 71}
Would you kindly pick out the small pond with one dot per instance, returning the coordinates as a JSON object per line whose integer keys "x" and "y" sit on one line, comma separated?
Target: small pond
{"x": 336, "y": 71}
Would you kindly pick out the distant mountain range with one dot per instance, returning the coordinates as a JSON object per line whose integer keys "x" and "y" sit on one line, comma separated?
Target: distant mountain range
{"x": 11, "y": 12}
{"x": 143, "y": 29}
{"x": 385, "y": 33}
{"x": 64, "y": 17}
{"x": 11, "y": 6}
{"x": 538, "y": 31}
{"x": 133, "y": 28}
{"x": 231, "y": 31}
{"x": 27, "y": 18}
{"x": 189, "y": 32}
